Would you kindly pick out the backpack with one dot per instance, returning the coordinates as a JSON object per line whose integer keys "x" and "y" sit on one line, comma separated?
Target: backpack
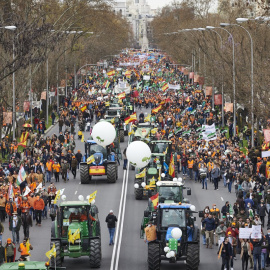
{"x": 52, "y": 212}
{"x": 110, "y": 221}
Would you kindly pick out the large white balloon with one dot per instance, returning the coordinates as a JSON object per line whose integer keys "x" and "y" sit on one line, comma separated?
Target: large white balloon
{"x": 192, "y": 208}
{"x": 80, "y": 197}
{"x": 176, "y": 233}
{"x": 103, "y": 133}
{"x": 64, "y": 197}
{"x": 138, "y": 154}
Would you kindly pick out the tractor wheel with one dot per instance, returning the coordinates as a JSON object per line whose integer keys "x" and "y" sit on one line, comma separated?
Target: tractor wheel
{"x": 122, "y": 135}
{"x": 193, "y": 256}
{"x": 95, "y": 253}
{"x": 84, "y": 173}
{"x": 56, "y": 260}
{"x": 111, "y": 173}
{"x": 153, "y": 256}
{"x": 138, "y": 192}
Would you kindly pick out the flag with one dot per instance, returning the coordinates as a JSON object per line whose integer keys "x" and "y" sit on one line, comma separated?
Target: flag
{"x": 10, "y": 191}
{"x": 106, "y": 84}
{"x": 171, "y": 167}
{"x": 27, "y": 191}
{"x": 154, "y": 131}
{"x": 165, "y": 87}
{"x": 92, "y": 196}
{"x": 82, "y": 139}
{"x": 128, "y": 73}
{"x": 121, "y": 95}
{"x": 157, "y": 109}
{"x": 57, "y": 196}
{"x": 178, "y": 130}
{"x": 147, "y": 118}
{"x": 107, "y": 103}
{"x": 170, "y": 135}
{"x": 193, "y": 111}
{"x": 23, "y": 139}
{"x": 141, "y": 174}
{"x": 152, "y": 181}
{"x": 131, "y": 118}
{"x": 83, "y": 108}
{"x": 21, "y": 176}
{"x": 131, "y": 132}
{"x": 51, "y": 252}
{"x": 28, "y": 247}
{"x": 39, "y": 187}
{"x": 90, "y": 159}
{"x": 154, "y": 200}
{"x": 111, "y": 73}
{"x": 73, "y": 236}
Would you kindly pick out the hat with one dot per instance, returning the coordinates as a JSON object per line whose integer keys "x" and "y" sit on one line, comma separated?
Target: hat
{"x": 233, "y": 224}
{"x": 9, "y": 240}
{"x": 246, "y": 224}
{"x": 111, "y": 211}
{"x": 229, "y": 233}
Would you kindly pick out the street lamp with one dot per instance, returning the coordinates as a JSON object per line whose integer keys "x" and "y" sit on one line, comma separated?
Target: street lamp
{"x": 241, "y": 20}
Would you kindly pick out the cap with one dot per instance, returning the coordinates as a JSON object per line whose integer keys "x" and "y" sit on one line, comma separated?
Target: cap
{"x": 111, "y": 211}
{"x": 229, "y": 233}
{"x": 233, "y": 224}
{"x": 246, "y": 224}
{"x": 9, "y": 240}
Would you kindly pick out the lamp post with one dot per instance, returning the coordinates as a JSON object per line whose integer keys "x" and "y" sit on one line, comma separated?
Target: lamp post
{"x": 233, "y": 67}
{"x": 240, "y": 20}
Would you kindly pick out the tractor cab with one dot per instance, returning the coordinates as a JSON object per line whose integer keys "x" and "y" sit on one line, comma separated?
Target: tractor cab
{"x": 162, "y": 147}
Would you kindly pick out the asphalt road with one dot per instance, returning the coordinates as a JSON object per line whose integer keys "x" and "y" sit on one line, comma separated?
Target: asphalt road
{"x": 129, "y": 252}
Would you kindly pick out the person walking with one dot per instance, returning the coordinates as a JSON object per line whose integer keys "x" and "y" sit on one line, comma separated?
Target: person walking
{"x": 203, "y": 175}
{"x": 262, "y": 210}
{"x": 38, "y": 207}
{"x": 56, "y": 170}
{"x": 111, "y": 220}
{"x": 150, "y": 232}
{"x": 14, "y": 227}
{"x": 209, "y": 230}
{"x": 10, "y": 249}
{"x": 257, "y": 250}
{"x": 245, "y": 253}
{"x": 2, "y": 207}
{"x": 215, "y": 173}
{"x": 220, "y": 232}
{"x": 225, "y": 252}
{"x": 74, "y": 164}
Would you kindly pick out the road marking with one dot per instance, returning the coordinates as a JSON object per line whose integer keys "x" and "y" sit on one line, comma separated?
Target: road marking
{"x": 76, "y": 192}
{"x": 221, "y": 198}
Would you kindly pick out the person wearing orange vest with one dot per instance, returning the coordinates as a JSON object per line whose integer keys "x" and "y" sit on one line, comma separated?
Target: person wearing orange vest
{"x": 49, "y": 169}
{"x": 10, "y": 207}
{"x": 190, "y": 167}
{"x": 210, "y": 167}
{"x": 56, "y": 169}
{"x": 25, "y": 248}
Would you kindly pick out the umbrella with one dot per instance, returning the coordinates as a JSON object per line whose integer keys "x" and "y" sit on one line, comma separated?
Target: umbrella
{"x": 27, "y": 125}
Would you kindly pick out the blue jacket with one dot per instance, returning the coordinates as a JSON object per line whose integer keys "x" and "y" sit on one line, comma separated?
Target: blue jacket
{"x": 209, "y": 224}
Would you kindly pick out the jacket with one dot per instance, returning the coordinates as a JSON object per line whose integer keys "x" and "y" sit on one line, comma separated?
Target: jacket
{"x": 215, "y": 173}
{"x": 242, "y": 249}
{"x": 74, "y": 163}
{"x": 261, "y": 210}
{"x": 257, "y": 246}
{"x": 39, "y": 204}
{"x": 221, "y": 251}
{"x": 111, "y": 219}
{"x": 234, "y": 232}
{"x": 18, "y": 226}
{"x": 221, "y": 232}
{"x": 9, "y": 249}
{"x": 2, "y": 254}
{"x": 209, "y": 224}
{"x": 150, "y": 233}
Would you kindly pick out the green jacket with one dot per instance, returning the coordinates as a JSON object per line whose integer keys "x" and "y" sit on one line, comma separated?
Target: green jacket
{"x": 9, "y": 249}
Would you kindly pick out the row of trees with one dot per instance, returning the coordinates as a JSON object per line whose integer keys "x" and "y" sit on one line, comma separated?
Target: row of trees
{"x": 214, "y": 58}
{"x": 69, "y": 33}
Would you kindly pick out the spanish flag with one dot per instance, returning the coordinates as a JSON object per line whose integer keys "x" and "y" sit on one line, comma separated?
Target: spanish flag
{"x": 121, "y": 95}
{"x": 171, "y": 167}
{"x": 157, "y": 109}
{"x": 128, "y": 73}
{"x": 165, "y": 87}
{"x": 111, "y": 73}
{"x": 83, "y": 108}
{"x": 154, "y": 200}
{"x": 131, "y": 118}
{"x": 23, "y": 139}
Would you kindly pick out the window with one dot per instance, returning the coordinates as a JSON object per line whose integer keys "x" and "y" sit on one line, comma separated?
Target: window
{"x": 173, "y": 217}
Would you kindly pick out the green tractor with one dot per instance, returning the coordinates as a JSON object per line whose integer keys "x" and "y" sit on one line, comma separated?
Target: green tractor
{"x": 178, "y": 238}
{"x": 76, "y": 233}
{"x": 27, "y": 265}
{"x": 145, "y": 183}
{"x": 104, "y": 162}
{"x": 115, "y": 116}
{"x": 143, "y": 132}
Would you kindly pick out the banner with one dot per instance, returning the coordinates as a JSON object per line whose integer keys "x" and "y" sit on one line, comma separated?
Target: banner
{"x": 196, "y": 78}
{"x": 174, "y": 86}
{"x": 228, "y": 107}
{"x": 266, "y": 133}
{"x": 36, "y": 104}
{"x": 201, "y": 80}
{"x": 146, "y": 77}
{"x": 244, "y": 233}
{"x": 191, "y": 75}
{"x": 265, "y": 154}
{"x": 26, "y": 106}
{"x": 218, "y": 99}
{"x": 43, "y": 95}
{"x": 7, "y": 118}
{"x": 186, "y": 72}
{"x": 208, "y": 90}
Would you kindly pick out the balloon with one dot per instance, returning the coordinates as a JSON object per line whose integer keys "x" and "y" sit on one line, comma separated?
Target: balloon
{"x": 143, "y": 184}
{"x": 176, "y": 233}
{"x": 158, "y": 183}
{"x": 93, "y": 201}
{"x": 80, "y": 197}
{"x": 136, "y": 185}
{"x": 87, "y": 197}
{"x": 163, "y": 175}
{"x": 192, "y": 208}
{"x": 166, "y": 249}
{"x": 139, "y": 154}
{"x": 171, "y": 254}
{"x": 103, "y": 133}
{"x": 63, "y": 197}
{"x": 168, "y": 255}
{"x": 174, "y": 179}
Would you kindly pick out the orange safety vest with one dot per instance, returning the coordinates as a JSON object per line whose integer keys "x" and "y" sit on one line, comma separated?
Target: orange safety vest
{"x": 49, "y": 166}
{"x": 190, "y": 164}
{"x": 24, "y": 250}
{"x": 210, "y": 166}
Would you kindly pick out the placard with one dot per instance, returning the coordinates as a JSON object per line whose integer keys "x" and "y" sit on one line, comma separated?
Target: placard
{"x": 265, "y": 154}
{"x": 266, "y": 133}
{"x": 244, "y": 233}
{"x": 146, "y": 77}
{"x": 256, "y": 232}
{"x": 218, "y": 99}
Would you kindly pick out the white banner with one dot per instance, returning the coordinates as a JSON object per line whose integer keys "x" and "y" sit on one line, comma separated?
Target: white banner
{"x": 265, "y": 154}
{"x": 174, "y": 86}
{"x": 146, "y": 77}
{"x": 244, "y": 233}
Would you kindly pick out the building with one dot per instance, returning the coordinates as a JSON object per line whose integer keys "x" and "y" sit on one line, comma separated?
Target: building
{"x": 139, "y": 14}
